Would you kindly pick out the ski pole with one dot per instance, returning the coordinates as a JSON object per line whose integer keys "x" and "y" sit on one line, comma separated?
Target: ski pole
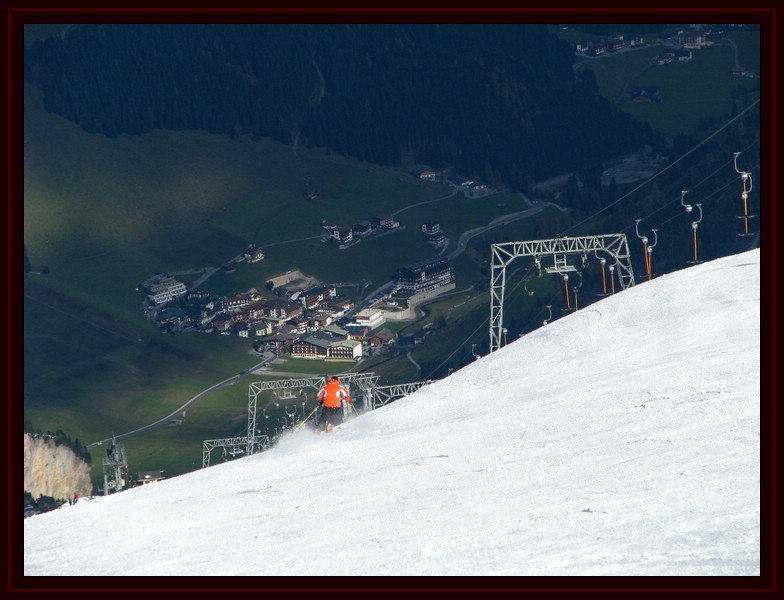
{"x": 306, "y": 419}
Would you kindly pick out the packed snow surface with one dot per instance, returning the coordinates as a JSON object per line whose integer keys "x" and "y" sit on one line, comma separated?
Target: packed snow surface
{"x": 620, "y": 439}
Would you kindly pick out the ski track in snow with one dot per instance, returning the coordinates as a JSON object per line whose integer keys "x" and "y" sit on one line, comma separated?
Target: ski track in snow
{"x": 621, "y": 439}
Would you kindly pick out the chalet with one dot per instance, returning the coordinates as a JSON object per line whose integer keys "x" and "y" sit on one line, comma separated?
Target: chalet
{"x": 582, "y": 47}
{"x": 319, "y": 320}
{"x": 615, "y": 42}
{"x": 383, "y": 221}
{"x": 200, "y": 316}
{"x": 425, "y": 275}
{"x": 253, "y": 254}
{"x": 342, "y": 234}
{"x": 222, "y": 322}
{"x": 242, "y": 300}
{"x": 461, "y": 180}
{"x": 691, "y": 39}
{"x": 683, "y": 55}
{"x": 313, "y": 297}
{"x": 437, "y": 240}
{"x": 382, "y": 339}
{"x": 338, "y": 306}
{"x": 282, "y": 310}
{"x": 431, "y": 227}
{"x": 424, "y": 172}
{"x": 309, "y": 302}
{"x": 298, "y": 325}
{"x": 357, "y": 332}
{"x": 598, "y": 48}
{"x": 362, "y": 229}
{"x": 327, "y": 227}
{"x": 260, "y": 328}
{"x": 279, "y": 343}
{"x": 242, "y": 329}
{"x": 173, "y": 317}
{"x": 288, "y": 328}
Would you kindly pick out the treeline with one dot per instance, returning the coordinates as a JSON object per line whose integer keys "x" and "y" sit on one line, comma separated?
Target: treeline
{"x": 498, "y": 102}
{"x": 60, "y": 438}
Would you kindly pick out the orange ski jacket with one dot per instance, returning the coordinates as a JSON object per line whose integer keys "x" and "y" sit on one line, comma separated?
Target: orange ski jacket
{"x": 332, "y": 394}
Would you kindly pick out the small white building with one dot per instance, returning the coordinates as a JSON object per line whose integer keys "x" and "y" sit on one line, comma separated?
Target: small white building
{"x": 370, "y": 317}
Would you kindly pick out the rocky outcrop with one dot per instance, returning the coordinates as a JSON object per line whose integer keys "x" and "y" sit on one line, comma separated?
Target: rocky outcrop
{"x": 54, "y": 470}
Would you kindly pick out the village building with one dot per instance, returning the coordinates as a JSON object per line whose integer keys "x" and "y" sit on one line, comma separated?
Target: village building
{"x": 222, "y": 322}
{"x": 362, "y": 229}
{"x": 146, "y": 477}
{"x": 384, "y": 339}
{"x": 384, "y": 221}
{"x": 319, "y": 320}
{"x": 280, "y": 310}
{"x": 260, "y": 328}
{"x": 327, "y": 344}
{"x": 242, "y": 300}
{"x": 163, "y": 288}
{"x": 431, "y": 227}
{"x": 253, "y": 254}
{"x": 345, "y": 350}
{"x": 357, "y": 332}
{"x": 437, "y": 240}
{"x": 314, "y": 296}
{"x": 424, "y": 173}
{"x": 369, "y": 317}
{"x": 425, "y": 275}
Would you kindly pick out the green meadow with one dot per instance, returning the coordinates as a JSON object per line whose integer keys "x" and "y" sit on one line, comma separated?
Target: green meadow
{"x": 692, "y": 92}
{"x": 102, "y": 214}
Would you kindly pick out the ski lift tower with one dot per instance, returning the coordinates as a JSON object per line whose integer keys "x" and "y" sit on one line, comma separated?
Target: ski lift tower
{"x": 115, "y": 468}
{"x": 556, "y": 251}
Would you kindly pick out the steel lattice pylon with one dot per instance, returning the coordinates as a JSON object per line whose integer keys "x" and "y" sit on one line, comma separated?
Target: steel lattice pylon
{"x": 373, "y": 396}
{"x": 557, "y": 249}
{"x": 364, "y": 381}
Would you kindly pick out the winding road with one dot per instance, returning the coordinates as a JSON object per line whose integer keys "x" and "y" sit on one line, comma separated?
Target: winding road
{"x": 460, "y": 247}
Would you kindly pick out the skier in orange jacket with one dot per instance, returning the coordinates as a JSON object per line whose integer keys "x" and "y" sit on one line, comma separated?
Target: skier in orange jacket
{"x": 331, "y": 397}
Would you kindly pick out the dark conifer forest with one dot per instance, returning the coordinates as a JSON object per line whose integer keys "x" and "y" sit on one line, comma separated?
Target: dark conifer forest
{"x": 496, "y": 102}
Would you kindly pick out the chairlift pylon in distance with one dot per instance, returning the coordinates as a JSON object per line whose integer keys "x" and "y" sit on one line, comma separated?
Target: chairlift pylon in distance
{"x": 745, "y": 176}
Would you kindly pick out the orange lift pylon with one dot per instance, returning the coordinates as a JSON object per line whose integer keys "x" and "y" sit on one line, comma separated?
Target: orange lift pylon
{"x": 645, "y": 248}
{"x": 745, "y": 177}
{"x": 575, "y": 288}
{"x": 612, "y": 278}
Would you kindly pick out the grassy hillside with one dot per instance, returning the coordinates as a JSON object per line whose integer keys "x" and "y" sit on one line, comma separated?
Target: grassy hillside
{"x": 692, "y": 92}
{"x": 101, "y": 214}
